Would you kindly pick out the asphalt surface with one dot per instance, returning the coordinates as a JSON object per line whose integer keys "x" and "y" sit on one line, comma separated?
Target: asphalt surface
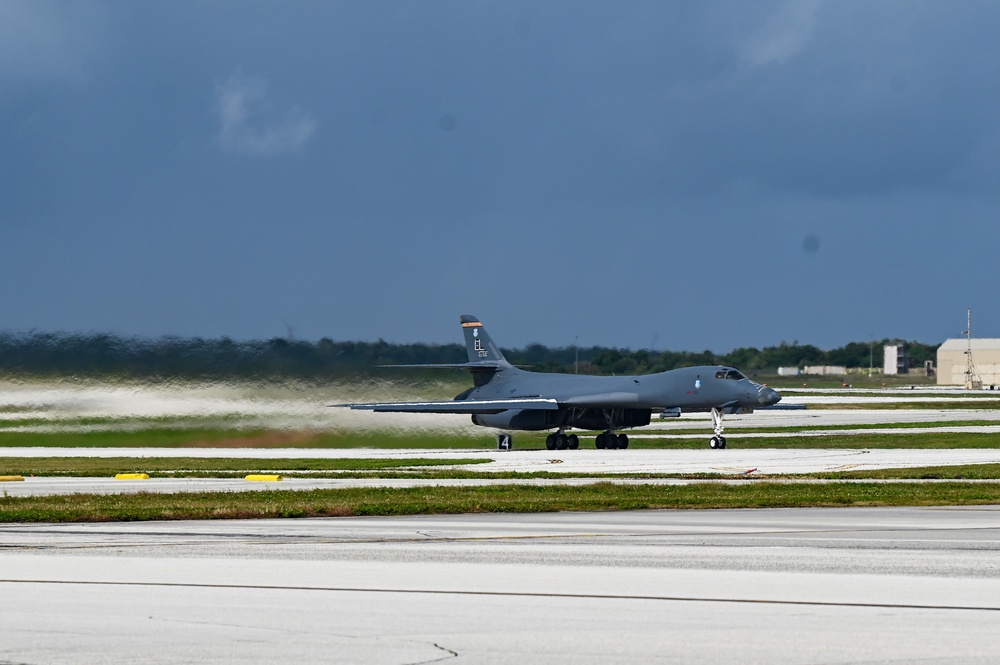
{"x": 811, "y": 586}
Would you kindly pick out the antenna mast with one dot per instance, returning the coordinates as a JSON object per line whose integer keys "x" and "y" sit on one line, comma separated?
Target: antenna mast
{"x": 972, "y": 380}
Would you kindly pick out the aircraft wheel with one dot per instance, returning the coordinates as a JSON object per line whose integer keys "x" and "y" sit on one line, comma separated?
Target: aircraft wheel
{"x": 561, "y": 442}
{"x": 623, "y": 441}
{"x": 612, "y": 440}
{"x": 722, "y": 442}
{"x": 550, "y": 442}
{"x": 600, "y": 442}
{"x": 573, "y": 441}
{"x": 713, "y": 443}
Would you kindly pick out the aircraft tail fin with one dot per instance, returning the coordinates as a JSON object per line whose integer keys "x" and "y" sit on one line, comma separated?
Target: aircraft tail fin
{"x": 485, "y": 359}
{"x": 479, "y": 344}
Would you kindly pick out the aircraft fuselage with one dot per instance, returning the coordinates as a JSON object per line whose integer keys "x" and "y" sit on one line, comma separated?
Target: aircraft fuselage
{"x": 628, "y": 401}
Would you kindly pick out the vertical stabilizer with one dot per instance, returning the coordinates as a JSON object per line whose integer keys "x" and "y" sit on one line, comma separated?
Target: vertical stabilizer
{"x": 481, "y": 348}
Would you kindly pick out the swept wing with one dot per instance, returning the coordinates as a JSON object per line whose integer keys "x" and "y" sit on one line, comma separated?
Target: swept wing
{"x": 460, "y": 406}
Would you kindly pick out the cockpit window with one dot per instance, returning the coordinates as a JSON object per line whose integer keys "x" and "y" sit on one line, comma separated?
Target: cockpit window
{"x": 729, "y": 374}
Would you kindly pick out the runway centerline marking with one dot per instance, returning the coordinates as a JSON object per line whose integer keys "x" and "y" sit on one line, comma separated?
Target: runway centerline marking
{"x": 515, "y": 594}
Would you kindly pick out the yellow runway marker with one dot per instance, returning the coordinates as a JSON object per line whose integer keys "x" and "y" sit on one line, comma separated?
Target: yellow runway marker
{"x": 132, "y": 476}
{"x": 9, "y": 479}
{"x": 263, "y": 478}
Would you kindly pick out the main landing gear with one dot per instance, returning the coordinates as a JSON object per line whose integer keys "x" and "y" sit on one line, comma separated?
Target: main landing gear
{"x": 561, "y": 441}
{"x": 611, "y": 440}
{"x": 718, "y": 441}
{"x": 608, "y": 438}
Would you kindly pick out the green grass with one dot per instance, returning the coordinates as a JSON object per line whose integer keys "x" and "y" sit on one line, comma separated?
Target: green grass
{"x": 958, "y": 472}
{"x": 215, "y": 467}
{"x": 973, "y": 403}
{"x": 876, "y": 382}
{"x": 889, "y": 392}
{"x": 198, "y": 467}
{"x": 842, "y": 441}
{"x": 130, "y": 422}
{"x": 168, "y": 437}
{"x": 497, "y": 499}
{"x": 690, "y": 438}
{"x": 735, "y": 431}
{"x": 146, "y": 438}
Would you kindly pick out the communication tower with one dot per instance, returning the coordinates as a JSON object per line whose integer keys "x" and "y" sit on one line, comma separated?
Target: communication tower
{"x": 972, "y": 380}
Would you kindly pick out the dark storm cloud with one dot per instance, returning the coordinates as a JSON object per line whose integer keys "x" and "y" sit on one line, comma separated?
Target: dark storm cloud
{"x": 613, "y": 171}
{"x": 881, "y": 96}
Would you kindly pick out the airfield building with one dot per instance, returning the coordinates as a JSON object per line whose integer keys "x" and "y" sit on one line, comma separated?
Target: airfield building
{"x": 896, "y": 361}
{"x": 825, "y": 370}
{"x": 953, "y": 364}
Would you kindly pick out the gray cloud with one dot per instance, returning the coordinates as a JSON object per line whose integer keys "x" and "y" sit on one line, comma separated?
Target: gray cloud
{"x": 784, "y": 35}
{"x": 243, "y": 107}
{"x": 40, "y": 40}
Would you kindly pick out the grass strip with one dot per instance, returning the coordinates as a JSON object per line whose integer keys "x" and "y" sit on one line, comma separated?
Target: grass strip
{"x": 161, "y": 438}
{"x": 885, "y": 391}
{"x": 978, "y": 404}
{"x": 155, "y": 437}
{"x": 733, "y": 431}
{"x": 211, "y": 466}
{"x": 404, "y": 468}
{"x": 899, "y": 438}
{"x": 496, "y": 499}
{"x": 166, "y": 437}
{"x": 958, "y": 472}
{"x": 921, "y": 440}
{"x": 130, "y": 421}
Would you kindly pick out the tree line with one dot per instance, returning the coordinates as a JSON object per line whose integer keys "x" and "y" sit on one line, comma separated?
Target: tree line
{"x": 106, "y": 355}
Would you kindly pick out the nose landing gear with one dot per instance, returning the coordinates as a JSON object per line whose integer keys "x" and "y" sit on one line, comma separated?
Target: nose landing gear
{"x": 718, "y": 441}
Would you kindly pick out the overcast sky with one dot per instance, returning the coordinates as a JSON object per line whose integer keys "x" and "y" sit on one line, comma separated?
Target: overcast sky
{"x": 669, "y": 175}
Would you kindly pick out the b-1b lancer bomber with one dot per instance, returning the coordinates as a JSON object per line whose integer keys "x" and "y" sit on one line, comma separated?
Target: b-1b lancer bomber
{"x": 511, "y": 398}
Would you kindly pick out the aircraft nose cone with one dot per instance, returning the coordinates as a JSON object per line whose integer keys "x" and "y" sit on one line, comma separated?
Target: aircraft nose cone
{"x": 768, "y": 396}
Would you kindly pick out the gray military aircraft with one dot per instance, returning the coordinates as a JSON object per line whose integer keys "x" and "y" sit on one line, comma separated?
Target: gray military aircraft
{"x": 511, "y": 398}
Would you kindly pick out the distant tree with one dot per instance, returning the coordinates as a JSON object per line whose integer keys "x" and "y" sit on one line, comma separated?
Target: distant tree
{"x": 64, "y": 354}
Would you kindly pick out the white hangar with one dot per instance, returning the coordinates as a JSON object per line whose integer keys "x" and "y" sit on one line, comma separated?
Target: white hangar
{"x": 952, "y": 361}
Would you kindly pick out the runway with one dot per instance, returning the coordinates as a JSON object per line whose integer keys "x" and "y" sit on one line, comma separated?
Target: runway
{"x": 809, "y": 586}
{"x": 812, "y": 586}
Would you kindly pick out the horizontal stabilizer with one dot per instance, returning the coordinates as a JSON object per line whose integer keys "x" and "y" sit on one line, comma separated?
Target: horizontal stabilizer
{"x": 459, "y": 406}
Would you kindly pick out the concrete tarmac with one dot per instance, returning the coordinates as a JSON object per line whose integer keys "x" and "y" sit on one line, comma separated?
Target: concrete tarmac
{"x": 809, "y": 586}
{"x": 744, "y": 463}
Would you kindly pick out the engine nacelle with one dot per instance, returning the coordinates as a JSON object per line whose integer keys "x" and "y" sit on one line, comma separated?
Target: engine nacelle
{"x": 620, "y": 418}
{"x": 523, "y": 419}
